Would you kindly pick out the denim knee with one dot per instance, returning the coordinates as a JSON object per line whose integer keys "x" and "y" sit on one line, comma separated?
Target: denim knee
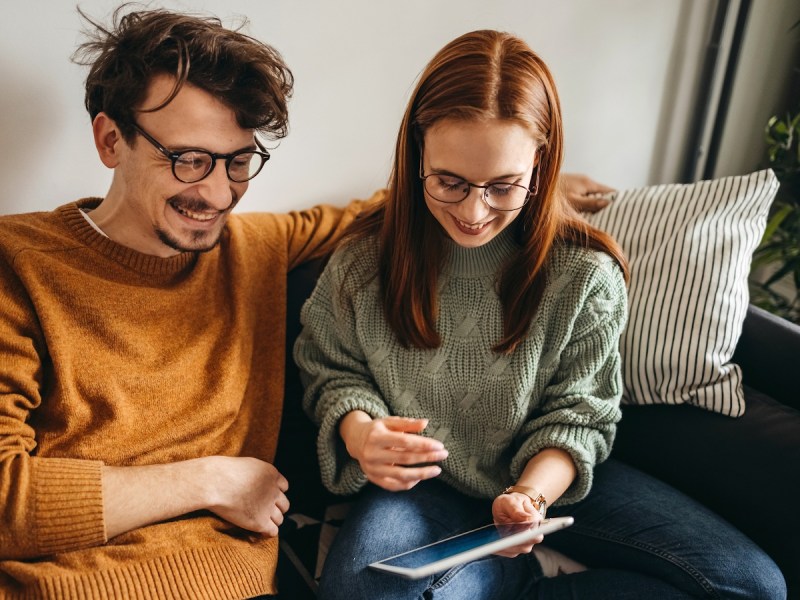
{"x": 759, "y": 577}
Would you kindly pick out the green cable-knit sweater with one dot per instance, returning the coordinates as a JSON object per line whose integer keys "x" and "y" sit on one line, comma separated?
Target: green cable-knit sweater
{"x": 560, "y": 388}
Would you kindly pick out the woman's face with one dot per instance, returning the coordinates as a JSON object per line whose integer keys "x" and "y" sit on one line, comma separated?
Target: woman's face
{"x": 481, "y": 153}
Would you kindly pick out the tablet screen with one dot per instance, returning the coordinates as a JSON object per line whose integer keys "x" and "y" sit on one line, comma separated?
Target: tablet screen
{"x": 464, "y": 547}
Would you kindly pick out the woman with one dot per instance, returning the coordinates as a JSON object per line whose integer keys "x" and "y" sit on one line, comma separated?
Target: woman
{"x": 461, "y": 359}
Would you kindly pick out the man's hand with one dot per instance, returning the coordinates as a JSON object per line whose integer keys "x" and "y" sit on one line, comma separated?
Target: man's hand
{"x": 584, "y": 193}
{"x": 390, "y": 452}
{"x": 245, "y": 491}
{"x": 516, "y": 508}
{"x": 249, "y": 493}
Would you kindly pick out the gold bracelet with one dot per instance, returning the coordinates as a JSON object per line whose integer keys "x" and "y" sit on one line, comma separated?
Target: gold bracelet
{"x": 539, "y": 501}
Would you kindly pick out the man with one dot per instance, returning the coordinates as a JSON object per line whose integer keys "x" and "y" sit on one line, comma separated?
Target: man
{"x": 142, "y": 334}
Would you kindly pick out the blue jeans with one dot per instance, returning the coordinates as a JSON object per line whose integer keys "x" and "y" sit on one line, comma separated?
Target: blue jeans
{"x": 640, "y": 538}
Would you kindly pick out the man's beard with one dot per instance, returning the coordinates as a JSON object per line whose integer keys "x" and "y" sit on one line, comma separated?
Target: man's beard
{"x": 198, "y": 242}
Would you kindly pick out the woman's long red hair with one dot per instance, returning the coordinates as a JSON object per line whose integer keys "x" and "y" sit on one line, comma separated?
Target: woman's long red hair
{"x": 480, "y": 75}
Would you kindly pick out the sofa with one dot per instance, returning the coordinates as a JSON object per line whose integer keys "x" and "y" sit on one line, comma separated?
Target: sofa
{"x": 745, "y": 468}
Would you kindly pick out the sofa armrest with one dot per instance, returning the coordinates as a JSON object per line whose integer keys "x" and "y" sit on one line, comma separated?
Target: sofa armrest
{"x": 768, "y": 352}
{"x": 718, "y": 460}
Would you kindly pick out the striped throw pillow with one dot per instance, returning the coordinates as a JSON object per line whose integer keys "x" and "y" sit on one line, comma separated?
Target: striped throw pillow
{"x": 689, "y": 247}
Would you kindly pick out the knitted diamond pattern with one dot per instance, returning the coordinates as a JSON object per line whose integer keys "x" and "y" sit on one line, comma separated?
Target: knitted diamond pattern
{"x": 560, "y": 388}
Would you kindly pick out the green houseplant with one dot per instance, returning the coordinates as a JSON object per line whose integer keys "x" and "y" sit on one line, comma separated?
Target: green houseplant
{"x": 775, "y": 283}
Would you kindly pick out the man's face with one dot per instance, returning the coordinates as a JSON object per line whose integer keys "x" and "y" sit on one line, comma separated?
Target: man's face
{"x": 154, "y": 212}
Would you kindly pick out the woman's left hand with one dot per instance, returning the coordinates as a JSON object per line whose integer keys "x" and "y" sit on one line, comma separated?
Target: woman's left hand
{"x": 516, "y": 508}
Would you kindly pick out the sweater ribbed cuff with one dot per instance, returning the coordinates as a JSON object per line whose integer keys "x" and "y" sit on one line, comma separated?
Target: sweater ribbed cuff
{"x": 340, "y": 473}
{"x": 68, "y": 504}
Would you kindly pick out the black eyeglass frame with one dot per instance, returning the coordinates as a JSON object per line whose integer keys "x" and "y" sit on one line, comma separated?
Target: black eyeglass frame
{"x": 228, "y": 158}
{"x": 485, "y": 188}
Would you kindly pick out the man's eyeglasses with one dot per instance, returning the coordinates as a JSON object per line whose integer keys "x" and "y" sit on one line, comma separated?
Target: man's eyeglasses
{"x": 195, "y": 164}
{"x": 497, "y": 195}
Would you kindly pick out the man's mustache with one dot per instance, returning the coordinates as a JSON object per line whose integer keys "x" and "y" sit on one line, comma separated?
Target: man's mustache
{"x": 194, "y": 204}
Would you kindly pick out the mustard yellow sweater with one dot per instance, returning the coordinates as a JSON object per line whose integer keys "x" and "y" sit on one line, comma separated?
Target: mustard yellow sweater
{"x": 109, "y": 356}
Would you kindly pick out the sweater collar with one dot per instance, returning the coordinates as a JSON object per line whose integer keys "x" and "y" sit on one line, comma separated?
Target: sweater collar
{"x": 483, "y": 260}
{"x": 142, "y": 263}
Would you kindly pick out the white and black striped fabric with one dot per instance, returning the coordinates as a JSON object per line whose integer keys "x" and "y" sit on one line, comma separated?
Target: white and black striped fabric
{"x": 689, "y": 249}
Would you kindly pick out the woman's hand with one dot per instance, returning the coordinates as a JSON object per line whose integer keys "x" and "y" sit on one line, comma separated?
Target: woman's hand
{"x": 516, "y": 508}
{"x": 584, "y": 193}
{"x": 390, "y": 452}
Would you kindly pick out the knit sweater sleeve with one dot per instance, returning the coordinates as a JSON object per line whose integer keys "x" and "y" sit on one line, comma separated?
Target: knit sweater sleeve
{"x": 333, "y": 367}
{"x": 580, "y": 405}
{"x": 314, "y": 232}
{"x": 49, "y": 505}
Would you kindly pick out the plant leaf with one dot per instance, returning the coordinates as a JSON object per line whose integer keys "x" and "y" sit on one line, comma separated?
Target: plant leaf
{"x": 775, "y": 222}
{"x": 787, "y": 268}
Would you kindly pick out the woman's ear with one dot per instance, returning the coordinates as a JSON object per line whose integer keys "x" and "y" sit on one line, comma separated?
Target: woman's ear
{"x": 107, "y": 140}
{"x": 537, "y": 164}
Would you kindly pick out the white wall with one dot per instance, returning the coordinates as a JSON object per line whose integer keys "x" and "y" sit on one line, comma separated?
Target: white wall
{"x": 616, "y": 62}
{"x": 770, "y": 50}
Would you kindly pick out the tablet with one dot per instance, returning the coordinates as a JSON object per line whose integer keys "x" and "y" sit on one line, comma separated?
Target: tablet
{"x": 465, "y": 547}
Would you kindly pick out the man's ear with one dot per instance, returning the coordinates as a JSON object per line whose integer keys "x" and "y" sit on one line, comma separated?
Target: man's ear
{"x": 107, "y": 139}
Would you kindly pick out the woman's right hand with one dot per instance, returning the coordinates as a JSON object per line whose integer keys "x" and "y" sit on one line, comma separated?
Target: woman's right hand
{"x": 516, "y": 508}
{"x": 389, "y": 450}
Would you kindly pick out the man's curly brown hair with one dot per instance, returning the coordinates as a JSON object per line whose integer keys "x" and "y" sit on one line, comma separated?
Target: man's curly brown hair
{"x": 243, "y": 73}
